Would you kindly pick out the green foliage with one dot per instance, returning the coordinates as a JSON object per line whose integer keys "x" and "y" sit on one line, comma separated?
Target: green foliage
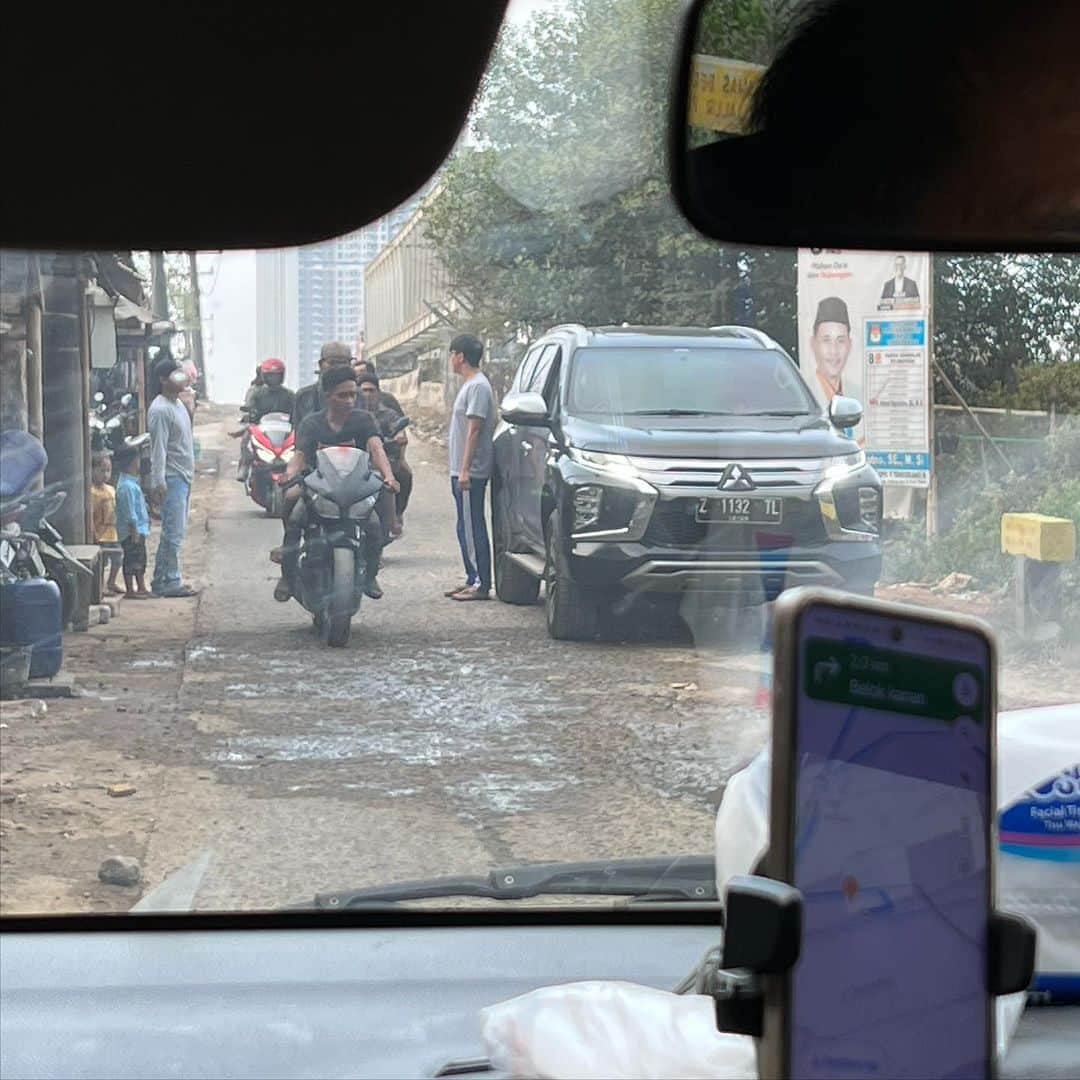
{"x": 1038, "y": 386}
{"x": 994, "y": 315}
{"x": 973, "y": 543}
{"x": 559, "y": 209}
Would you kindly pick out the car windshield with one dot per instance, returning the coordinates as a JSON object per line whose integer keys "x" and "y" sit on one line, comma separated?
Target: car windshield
{"x": 526, "y": 638}
{"x": 711, "y": 382}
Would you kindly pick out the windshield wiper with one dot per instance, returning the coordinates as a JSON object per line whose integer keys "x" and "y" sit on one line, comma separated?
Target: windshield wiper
{"x": 672, "y": 412}
{"x": 678, "y": 877}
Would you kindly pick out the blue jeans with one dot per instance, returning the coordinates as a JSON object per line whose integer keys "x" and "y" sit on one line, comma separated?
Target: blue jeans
{"x": 174, "y": 516}
{"x": 472, "y": 532}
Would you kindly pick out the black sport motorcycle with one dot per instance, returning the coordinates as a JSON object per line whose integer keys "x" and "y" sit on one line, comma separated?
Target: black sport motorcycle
{"x": 340, "y": 537}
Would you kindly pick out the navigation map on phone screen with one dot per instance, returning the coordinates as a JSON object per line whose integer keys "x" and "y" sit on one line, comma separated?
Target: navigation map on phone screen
{"x": 892, "y": 790}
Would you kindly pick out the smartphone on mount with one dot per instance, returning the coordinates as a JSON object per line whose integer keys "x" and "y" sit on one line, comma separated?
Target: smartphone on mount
{"x": 882, "y": 815}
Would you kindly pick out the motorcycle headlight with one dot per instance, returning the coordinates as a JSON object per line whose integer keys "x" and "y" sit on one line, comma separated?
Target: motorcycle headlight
{"x": 265, "y": 455}
{"x": 363, "y": 507}
{"x": 286, "y": 454}
{"x": 327, "y": 508}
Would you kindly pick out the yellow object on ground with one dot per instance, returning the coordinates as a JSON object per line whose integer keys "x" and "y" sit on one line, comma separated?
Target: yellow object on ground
{"x": 1039, "y": 537}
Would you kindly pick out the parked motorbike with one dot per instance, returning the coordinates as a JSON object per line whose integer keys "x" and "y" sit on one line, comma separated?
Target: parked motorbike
{"x": 267, "y": 450}
{"x": 111, "y": 426}
{"x": 32, "y": 547}
{"x": 337, "y": 515}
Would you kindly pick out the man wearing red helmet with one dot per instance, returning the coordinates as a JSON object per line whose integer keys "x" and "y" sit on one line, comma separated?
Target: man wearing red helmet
{"x": 271, "y": 395}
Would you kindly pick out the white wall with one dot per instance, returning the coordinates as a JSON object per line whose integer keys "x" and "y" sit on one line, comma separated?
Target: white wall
{"x": 227, "y": 297}
{"x": 249, "y": 310}
{"x": 277, "y": 301}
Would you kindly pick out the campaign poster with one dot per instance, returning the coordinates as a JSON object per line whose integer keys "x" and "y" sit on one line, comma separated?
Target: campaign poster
{"x": 864, "y": 332}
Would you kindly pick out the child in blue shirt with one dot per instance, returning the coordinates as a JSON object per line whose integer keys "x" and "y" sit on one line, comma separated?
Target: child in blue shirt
{"x": 132, "y": 522}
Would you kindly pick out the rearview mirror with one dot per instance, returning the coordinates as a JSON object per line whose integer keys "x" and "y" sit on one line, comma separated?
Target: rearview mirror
{"x": 398, "y": 426}
{"x": 844, "y": 412}
{"x": 126, "y": 400}
{"x": 840, "y": 125}
{"x": 525, "y": 410}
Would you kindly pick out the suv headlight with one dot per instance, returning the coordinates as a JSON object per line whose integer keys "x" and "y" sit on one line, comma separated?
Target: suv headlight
{"x": 836, "y": 468}
{"x": 849, "y": 510}
{"x": 612, "y": 464}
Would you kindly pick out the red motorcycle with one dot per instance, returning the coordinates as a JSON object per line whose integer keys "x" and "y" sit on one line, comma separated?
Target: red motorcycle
{"x": 268, "y": 448}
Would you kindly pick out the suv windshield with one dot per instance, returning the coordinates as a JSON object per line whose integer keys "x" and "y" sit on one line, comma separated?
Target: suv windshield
{"x": 714, "y": 382}
{"x": 259, "y": 682}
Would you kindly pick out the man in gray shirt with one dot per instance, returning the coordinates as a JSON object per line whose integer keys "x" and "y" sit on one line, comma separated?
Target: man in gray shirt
{"x": 172, "y": 469}
{"x": 472, "y": 439}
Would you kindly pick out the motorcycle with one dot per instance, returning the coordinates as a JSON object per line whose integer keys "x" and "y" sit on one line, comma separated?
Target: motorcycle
{"x": 337, "y": 515}
{"x": 32, "y": 547}
{"x": 268, "y": 449}
{"x": 111, "y": 425}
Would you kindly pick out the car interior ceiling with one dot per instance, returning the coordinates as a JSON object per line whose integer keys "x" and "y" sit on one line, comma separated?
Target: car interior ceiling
{"x": 275, "y": 95}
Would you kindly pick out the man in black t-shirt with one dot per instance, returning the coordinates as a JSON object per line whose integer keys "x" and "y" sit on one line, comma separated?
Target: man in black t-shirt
{"x": 339, "y": 424}
{"x": 310, "y": 399}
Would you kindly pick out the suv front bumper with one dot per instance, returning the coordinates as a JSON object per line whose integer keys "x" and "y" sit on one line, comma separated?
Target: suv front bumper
{"x": 636, "y": 567}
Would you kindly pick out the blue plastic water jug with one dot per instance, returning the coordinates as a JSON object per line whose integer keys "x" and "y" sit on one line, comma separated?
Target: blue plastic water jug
{"x": 31, "y": 613}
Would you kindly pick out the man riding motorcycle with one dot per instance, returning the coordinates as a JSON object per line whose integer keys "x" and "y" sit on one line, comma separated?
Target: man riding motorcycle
{"x": 309, "y": 399}
{"x": 266, "y": 394}
{"x": 341, "y": 423}
{"x": 393, "y": 507}
{"x": 271, "y": 395}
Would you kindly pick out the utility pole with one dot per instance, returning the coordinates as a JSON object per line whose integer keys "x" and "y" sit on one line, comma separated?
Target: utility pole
{"x": 159, "y": 286}
{"x": 195, "y": 330}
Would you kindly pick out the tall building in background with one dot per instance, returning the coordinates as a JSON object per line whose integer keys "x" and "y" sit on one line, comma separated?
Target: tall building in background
{"x": 330, "y": 284}
{"x": 286, "y": 303}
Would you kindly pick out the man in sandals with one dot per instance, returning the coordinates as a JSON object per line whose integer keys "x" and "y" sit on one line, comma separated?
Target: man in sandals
{"x": 472, "y": 438}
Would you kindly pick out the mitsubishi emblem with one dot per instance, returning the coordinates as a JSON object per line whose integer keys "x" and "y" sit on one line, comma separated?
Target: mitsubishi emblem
{"x": 736, "y": 478}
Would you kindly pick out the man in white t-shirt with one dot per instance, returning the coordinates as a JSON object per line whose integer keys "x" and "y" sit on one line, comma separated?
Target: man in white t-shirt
{"x": 472, "y": 442}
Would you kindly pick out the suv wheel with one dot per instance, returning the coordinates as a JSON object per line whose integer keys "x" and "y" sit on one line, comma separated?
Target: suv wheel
{"x": 572, "y": 611}
{"x": 513, "y": 583}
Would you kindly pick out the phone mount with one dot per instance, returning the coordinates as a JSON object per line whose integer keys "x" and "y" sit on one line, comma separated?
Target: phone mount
{"x": 763, "y": 936}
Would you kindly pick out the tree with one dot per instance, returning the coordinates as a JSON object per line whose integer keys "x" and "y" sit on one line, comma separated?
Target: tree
{"x": 178, "y": 281}
{"x": 546, "y": 216}
{"x": 997, "y": 315}
{"x": 558, "y": 209}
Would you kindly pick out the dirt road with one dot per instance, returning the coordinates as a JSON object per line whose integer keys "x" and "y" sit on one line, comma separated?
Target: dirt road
{"x": 448, "y": 738}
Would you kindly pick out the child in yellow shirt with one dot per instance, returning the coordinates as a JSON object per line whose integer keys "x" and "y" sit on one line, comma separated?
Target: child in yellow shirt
{"x": 103, "y": 505}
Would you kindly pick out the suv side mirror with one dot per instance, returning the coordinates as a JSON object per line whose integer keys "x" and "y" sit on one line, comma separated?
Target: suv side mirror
{"x": 525, "y": 410}
{"x": 844, "y": 412}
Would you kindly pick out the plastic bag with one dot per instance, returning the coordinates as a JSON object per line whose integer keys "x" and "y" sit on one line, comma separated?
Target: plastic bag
{"x": 1038, "y": 870}
{"x": 613, "y": 1029}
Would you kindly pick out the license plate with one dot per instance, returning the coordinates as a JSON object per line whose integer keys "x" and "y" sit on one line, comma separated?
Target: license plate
{"x": 741, "y": 509}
